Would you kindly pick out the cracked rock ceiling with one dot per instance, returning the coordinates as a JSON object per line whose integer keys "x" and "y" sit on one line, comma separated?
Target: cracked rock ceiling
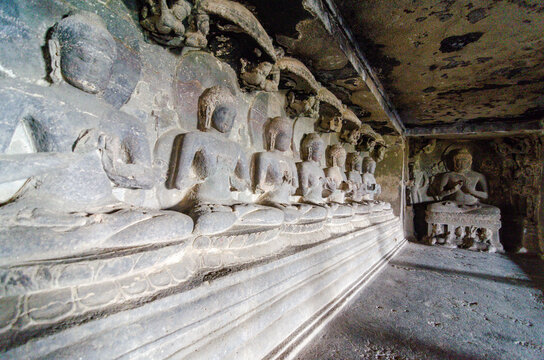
{"x": 440, "y": 62}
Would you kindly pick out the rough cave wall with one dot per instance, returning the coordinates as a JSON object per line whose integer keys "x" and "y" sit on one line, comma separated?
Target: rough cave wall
{"x": 513, "y": 169}
{"x": 389, "y": 173}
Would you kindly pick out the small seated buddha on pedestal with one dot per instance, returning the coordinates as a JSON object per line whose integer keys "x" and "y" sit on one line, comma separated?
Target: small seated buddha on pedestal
{"x": 461, "y": 191}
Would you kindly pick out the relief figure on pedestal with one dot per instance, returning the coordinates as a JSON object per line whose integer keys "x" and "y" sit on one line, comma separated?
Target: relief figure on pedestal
{"x": 461, "y": 190}
{"x": 70, "y": 206}
{"x": 354, "y": 167}
{"x": 371, "y": 189}
{"x": 335, "y": 173}
{"x": 275, "y": 174}
{"x": 213, "y": 166}
{"x": 312, "y": 179}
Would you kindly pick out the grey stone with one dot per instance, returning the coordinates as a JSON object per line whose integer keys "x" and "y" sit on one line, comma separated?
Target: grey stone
{"x": 97, "y": 294}
{"x": 10, "y": 310}
{"x": 50, "y": 305}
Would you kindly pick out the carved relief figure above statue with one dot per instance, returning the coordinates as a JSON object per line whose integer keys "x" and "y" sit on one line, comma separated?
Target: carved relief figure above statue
{"x": 263, "y": 76}
{"x": 179, "y": 23}
{"x": 210, "y": 166}
{"x": 166, "y": 23}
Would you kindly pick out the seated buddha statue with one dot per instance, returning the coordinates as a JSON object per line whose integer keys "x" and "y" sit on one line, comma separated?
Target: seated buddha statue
{"x": 79, "y": 149}
{"x": 461, "y": 191}
{"x": 313, "y": 183}
{"x": 276, "y": 177}
{"x": 463, "y": 188}
{"x": 211, "y": 167}
{"x": 336, "y": 159}
{"x": 371, "y": 189}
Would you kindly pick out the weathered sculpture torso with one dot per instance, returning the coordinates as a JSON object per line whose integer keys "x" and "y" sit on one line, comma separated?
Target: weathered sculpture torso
{"x": 210, "y": 166}
{"x": 336, "y": 157}
{"x": 275, "y": 172}
{"x": 371, "y": 189}
{"x": 461, "y": 191}
{"x": 312, "y": 178}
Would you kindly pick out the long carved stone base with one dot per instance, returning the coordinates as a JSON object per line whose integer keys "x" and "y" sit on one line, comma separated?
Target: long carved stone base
{"x": 252, "y": 286}
{"x": 471, "y": 228}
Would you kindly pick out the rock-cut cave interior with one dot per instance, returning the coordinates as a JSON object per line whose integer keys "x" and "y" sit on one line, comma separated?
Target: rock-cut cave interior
{"x": 272, "y": 179}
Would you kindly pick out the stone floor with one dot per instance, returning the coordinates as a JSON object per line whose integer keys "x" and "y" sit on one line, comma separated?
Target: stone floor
{"x": 438, "y": 303}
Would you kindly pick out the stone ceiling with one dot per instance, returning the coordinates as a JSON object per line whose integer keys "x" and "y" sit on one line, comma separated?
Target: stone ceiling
{"x": 449, "y": 62}
{"x": 302, "y": 35}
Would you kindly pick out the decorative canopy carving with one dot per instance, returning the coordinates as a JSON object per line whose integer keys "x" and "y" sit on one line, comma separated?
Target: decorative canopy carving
{"x": 242, "y": 17}
{"x": 303, "y": 78}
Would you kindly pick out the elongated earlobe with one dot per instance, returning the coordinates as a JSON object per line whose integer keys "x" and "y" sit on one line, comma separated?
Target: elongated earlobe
{"x": 273, "y": 140}
{"x": 54, "y": 52}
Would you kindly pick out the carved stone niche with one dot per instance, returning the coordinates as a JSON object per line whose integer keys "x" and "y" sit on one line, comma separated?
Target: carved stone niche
{"x": 301, "y": 100}
{"x": 179, "y": 23}
{"x": 460, "y": 219}
{"x": 367, "y": 139}
{"x": 330, "y": 111}
{"x": 351, "y": 127}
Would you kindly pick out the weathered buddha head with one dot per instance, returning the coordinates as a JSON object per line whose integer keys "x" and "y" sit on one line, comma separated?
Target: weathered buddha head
{"x": 217, "y": 109}
{"x": 369, "y": 165}
{"x": 336, "y": 155}
{"x": 82, "y": 52}
{"x": 279, "y": 133}
{"x": 379, "y": 152}
{"x": 366, "y": 143}
{"x": 462, "y": 160}
{"x": 354, "y": 162}
{"x": 312, "y": 147}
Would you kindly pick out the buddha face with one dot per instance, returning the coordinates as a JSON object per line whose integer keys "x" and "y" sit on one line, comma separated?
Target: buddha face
{"x": 354, "y": 162}
{"x": 283, "y": 141}
{"x": 462, "y": 162}
{"x": 87, "y": 52}
{"x": 336, "y": 155}
{"x": 223, "y": 118}
{"x": 317, "y": 151}
{"x": 313, "y": 148}
{"x": 279, "y": 134}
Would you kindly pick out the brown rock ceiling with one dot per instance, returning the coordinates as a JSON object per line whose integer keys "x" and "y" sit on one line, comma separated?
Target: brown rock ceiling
{"x": 454, "y": 61}
{"x": 303, "y": 36}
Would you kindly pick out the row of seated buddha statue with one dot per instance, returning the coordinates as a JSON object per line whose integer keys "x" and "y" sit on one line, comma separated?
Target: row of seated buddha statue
{"x": 66, "y": 150}
{"x": 211, "y": 167}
